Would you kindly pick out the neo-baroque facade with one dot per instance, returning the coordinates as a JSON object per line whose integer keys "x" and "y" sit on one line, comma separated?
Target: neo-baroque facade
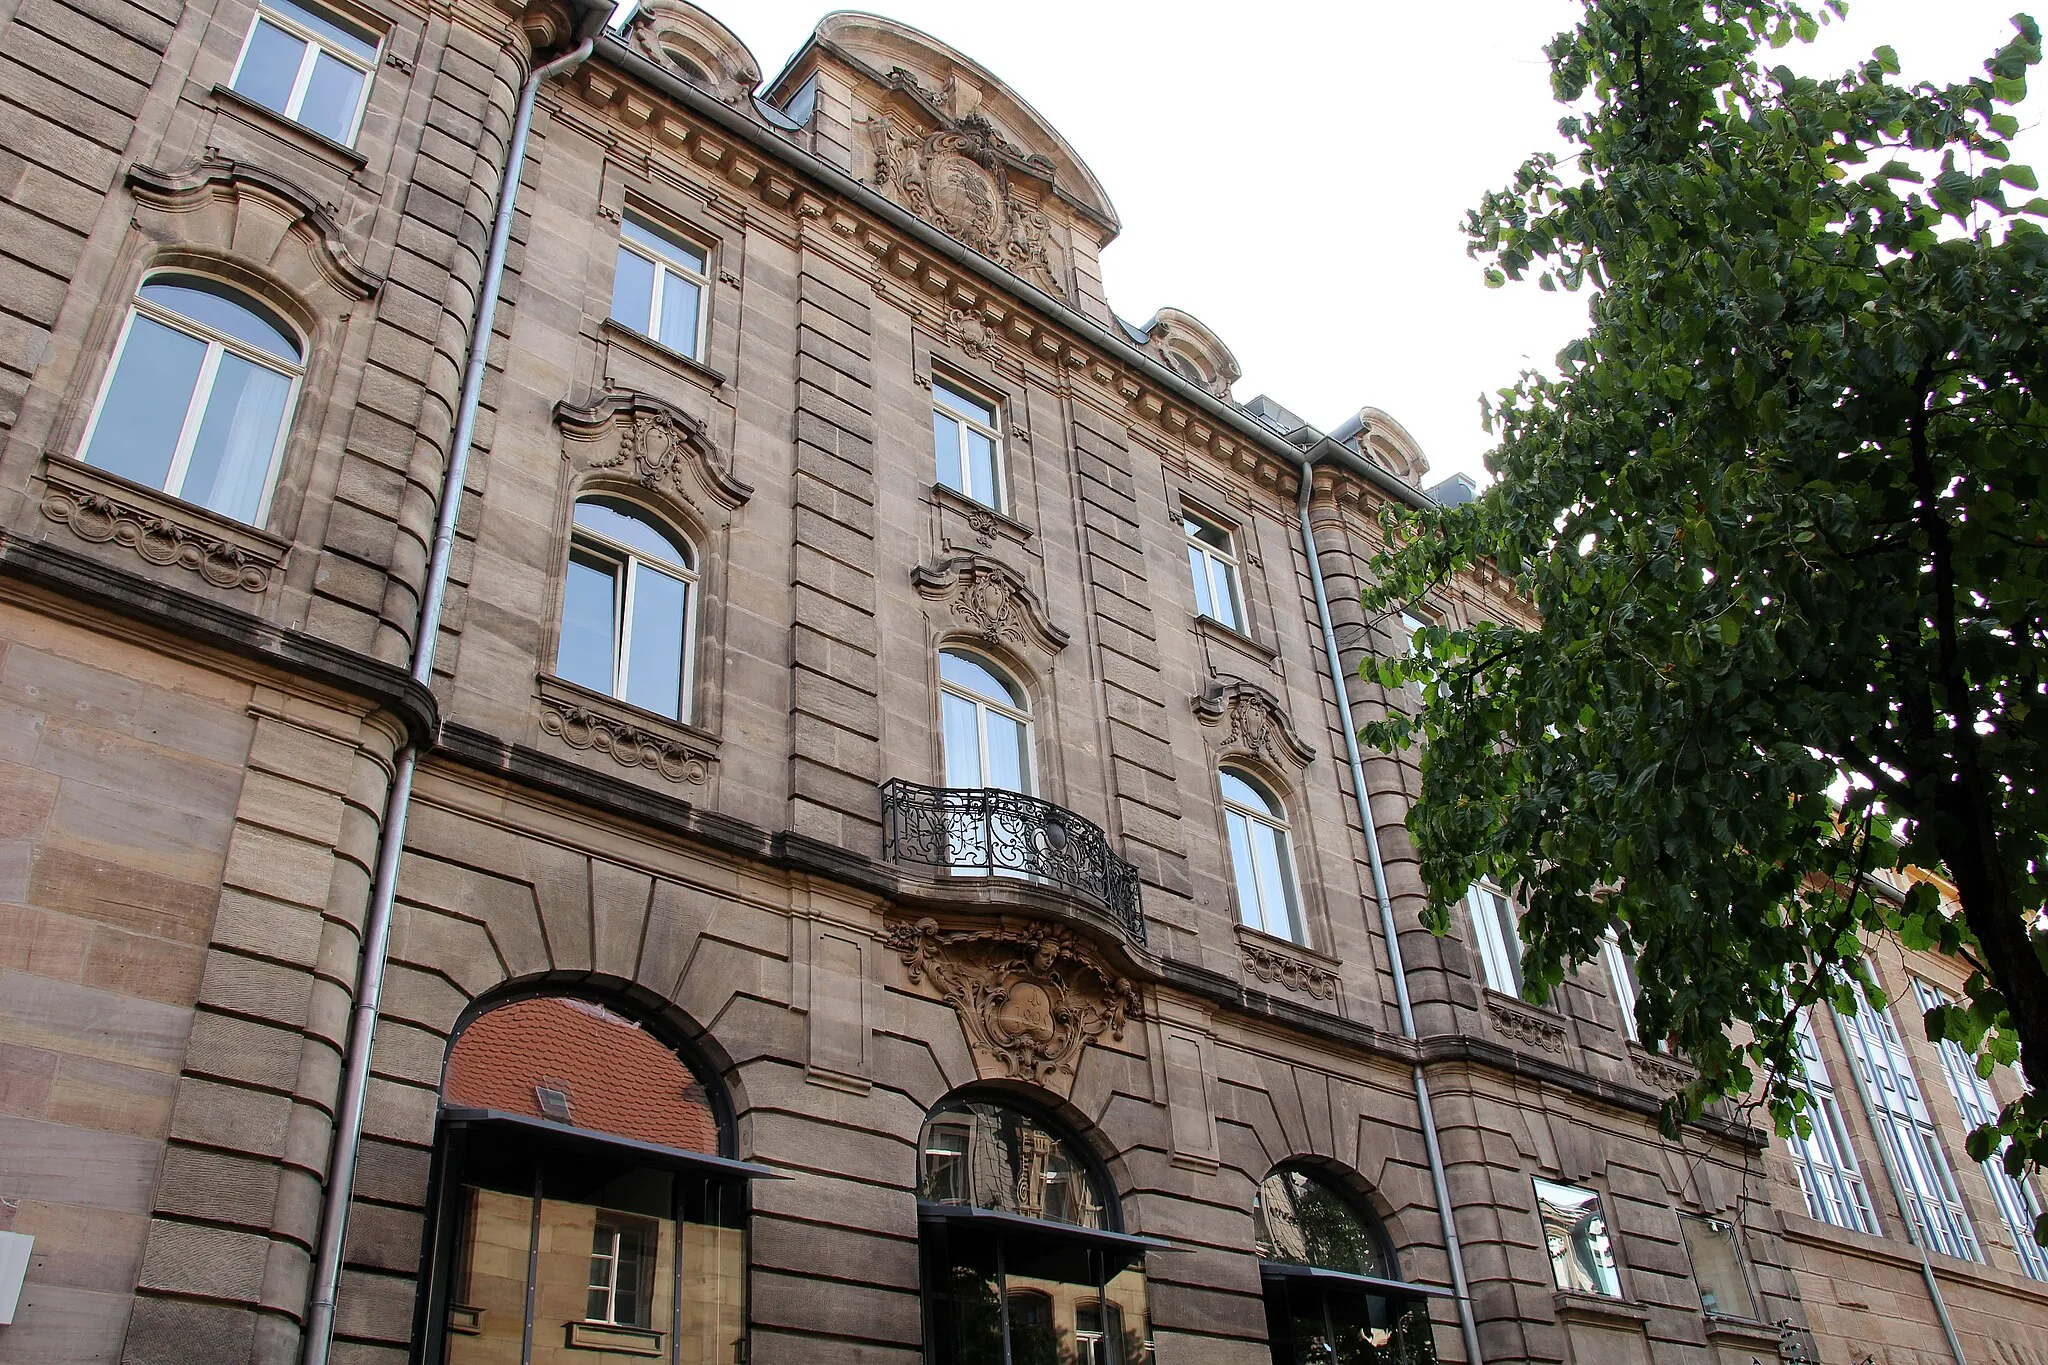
{"x": 633, "y": 725}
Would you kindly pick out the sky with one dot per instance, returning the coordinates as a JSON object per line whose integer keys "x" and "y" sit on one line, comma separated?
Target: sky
{"x": 1295, "y": 174}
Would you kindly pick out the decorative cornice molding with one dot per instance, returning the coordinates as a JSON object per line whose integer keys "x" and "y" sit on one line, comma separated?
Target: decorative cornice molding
{"x": 216, "y": 179}
{"x": 1527, "y": 1027}
{"x": 991, "y": 599}
{"x": 1029, "y": 995}
{"x": 655, "y": 445}
{"x": 102, "y": 509}
{"x": 1664, "y": 1075}
{"x": 1272, "y": 963}
{"x": 1259, "y": 724}
{"x": 584, "y": 721}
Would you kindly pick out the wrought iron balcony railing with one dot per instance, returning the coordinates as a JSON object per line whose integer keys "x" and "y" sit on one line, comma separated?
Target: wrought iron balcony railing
{"x": 984, "y": 831}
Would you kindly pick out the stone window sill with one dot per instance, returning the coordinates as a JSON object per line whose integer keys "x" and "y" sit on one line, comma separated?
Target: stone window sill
{"x": 1741, "y": 1333}
{"x": 590, "y": 721}
{"x": 101, "y": 507}
{"x": 647, "y": 348}
{"x": 342, "y": 156}
{"x": 984, "y": 520}
{"x": 1574, "y": 1303}
{"x": 1232, "y": 638}
{"x": 603, "y": 1336}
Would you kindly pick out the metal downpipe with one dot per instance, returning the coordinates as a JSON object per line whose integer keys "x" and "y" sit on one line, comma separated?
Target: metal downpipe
{"x": 1467, "y": 1328}
{"x": 1891, "y": 1175}
{"x": 355, "y": 1083}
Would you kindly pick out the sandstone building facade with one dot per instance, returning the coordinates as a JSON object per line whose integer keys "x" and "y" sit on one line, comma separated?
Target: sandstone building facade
{"x": 874, "y": 866}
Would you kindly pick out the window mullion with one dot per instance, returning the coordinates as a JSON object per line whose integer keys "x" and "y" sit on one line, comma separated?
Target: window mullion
{"x": 304, "y": 78}
{"x": 628, "y": 586}
{"x": 195, "y": 415}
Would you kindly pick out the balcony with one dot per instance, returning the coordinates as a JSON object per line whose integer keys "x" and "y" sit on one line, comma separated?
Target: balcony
{"x": 986, "y": 832}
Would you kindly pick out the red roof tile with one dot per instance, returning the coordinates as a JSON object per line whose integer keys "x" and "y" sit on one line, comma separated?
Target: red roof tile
{"x": 619, "y": 1078}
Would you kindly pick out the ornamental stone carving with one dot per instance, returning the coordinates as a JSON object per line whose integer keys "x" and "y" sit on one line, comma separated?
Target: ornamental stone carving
{"x": 991, "y": 599}
{"x": 958, "y": 179}
{"x": 102, "y": 510}
{"x": 1029, "y": 995}
{"x": 1285, "y": 970}
{"x": 655, "y": 444}
{"x": 1258, "y": 726}
{"x": 626, "y": 744}
{"x": 1527, "y": 1027}
{"x": 1664, "y": 1075}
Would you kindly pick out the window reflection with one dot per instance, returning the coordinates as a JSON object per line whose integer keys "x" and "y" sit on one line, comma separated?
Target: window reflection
{"x": 1575, "y": 1230}
{"x": 1332, "y": 1294}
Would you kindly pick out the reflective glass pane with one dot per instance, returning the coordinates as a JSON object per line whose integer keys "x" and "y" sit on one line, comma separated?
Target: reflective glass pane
{"x": 1575, "y": 1231}
{"x": 946, "y": 450}
{"x": 144, "y": 411}
{"x": 270, "y": 66}
{"x": 678, "y": 328}
{"x": 225, "y": 309}
{"x": 1012, "y": 1163}
{"x": 1034, "y": 1337}
{"x": 487, "y": 1312}
{"x": 1224, "y": 592}
{"x": 662, "y": 244}
{"x": 1716, "y": 1266}
{"x": 620, "y": 521}
{"x": 962, "y": 404}
{"x": 1277, "y": 879}
{"x": 1240, "y": 792}
{"x": 970, "y": 675}
{"x": 589, "y": 618}
{"x": 964, "y": 1298}
{"x": 230, "y": 462}
{"x": 633, "y": 291}
{"x": 1198, "y": 570}
{"x": 963, "y": 741}
{"x": 1009, "y": 760}
{"x": 330, "y": 27}
{"x": 329, "y": 104}
{"x": 654, "y": 672}
{"x": 981, "y": 467}
{"x": 1299, "y": 1219}
{"x": 1213, "y": 536}
{"x": 1248, "y": 907}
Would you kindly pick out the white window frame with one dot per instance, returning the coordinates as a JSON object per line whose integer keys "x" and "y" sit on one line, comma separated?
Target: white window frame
{"x": 315, "y": 45}
{"x": 217, "y": 343}
{"x": 1500, "y": 959}
{"x": 664, "y": 262}
{"x": 982, "y": 706}
{"x": 1825, "y": 1161}
{"x": 995, "y": 498}
{"x": 650, "y": 1246}
{"x": 2017, "y": 1202}
{"x": 1212, "y": 560}
{"x": 581, "y": 536}
{"x": 1273, "y": 899}
{"x": 1621, "y": 976}
{"x": 1935, "y": 1211}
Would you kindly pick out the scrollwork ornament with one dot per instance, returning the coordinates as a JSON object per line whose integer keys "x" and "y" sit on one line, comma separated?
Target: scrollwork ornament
{"x": 627, "y": 745}
{"x": 100, "y": 519}
{"x": 1028, "y": 996}
{"x": 1527, "y": 1028}
{"x": 1304, "y": 978}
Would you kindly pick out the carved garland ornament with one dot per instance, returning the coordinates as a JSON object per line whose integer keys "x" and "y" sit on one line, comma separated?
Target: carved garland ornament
{"x": 1526, "y": 1028}
{"x": 1663, "y": 1075}
{"x": 1029, "y": 995}
{"x": 990, "y": 598}
{"x": 1304, "y": 978}
{"x": 628, "y": 745}
{"x": 98, "y": 518}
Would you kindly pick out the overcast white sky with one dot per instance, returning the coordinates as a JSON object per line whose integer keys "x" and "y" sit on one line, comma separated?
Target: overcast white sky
{"x": 1294, "y": 174}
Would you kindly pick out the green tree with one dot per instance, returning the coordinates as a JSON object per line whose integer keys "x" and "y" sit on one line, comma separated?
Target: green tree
{"x": 1779, "y": 515}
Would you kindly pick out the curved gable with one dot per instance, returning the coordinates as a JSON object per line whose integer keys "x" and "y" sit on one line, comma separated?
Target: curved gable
{"x": 956, "y": 88}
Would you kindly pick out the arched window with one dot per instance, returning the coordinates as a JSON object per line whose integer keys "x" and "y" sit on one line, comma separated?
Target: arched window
{"x": 1260, "y": 859}
{"x": 1022, "y": 1261}
{"x": 629, "y": 608}
{"x": 987, "y": 724}
{"x": 199, "y": 395}
{"x": 584, "y": 1201}
{"x": 1332, "y": 1294}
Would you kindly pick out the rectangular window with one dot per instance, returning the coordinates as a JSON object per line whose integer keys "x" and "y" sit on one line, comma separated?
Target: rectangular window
{"x": 1494, "y": 924}
{"x": 1575, "y": 1232}
{"x": 1828, "y": 1174}
{"x": 1717, "y": 1267}
{"x": 1904, "y": 1125}
{"x": 659, "y": 285}
{"x": 967, "y": 444}
{"x": 2016, "y": 1200}
{"x": 1212, "y": 563}
{"x": 310, "y": 64}
{"x": 621, "y": 1269}
{"x": 1621, "y": 974}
